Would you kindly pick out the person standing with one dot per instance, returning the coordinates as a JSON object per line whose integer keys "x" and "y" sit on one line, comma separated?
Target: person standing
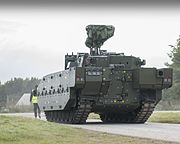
{"x": 34, "y": 100}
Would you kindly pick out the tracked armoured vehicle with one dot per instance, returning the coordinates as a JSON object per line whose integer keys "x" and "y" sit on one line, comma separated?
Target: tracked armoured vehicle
{"x": 112, "y": 85}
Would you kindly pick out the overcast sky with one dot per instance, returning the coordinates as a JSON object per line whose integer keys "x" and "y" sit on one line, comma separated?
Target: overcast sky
{"x": 35, "y": 38}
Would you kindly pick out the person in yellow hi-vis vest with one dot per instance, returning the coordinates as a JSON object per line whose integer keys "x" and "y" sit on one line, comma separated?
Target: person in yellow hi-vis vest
{"x": 34, "y": 100}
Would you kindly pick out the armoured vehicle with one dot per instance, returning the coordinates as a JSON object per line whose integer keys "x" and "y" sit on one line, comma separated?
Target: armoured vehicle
{"x": 110, "y": 84}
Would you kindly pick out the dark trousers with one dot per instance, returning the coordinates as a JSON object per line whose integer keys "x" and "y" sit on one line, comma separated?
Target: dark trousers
{"x": 36, "y": 110}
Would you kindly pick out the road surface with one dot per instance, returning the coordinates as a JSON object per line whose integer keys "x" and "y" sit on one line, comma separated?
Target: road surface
{"x": 160, "y": 131}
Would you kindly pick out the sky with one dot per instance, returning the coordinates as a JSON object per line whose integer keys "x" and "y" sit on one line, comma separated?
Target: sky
{"x": 34, "y": 37}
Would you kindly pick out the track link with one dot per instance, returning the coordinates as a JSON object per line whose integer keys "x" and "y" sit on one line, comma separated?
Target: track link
{"x": 144, "y": 113}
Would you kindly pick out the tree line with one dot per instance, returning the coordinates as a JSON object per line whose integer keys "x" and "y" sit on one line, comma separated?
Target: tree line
{"x": 174, "y": 92}
{"x": 172, "y": 96}
{"x": 12, "y": 90}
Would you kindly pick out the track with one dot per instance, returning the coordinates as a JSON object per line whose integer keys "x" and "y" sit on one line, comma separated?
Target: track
{"x": 77, "y": 116}
{"x": 144, "y": 113}
{"x": 141, "y": 115}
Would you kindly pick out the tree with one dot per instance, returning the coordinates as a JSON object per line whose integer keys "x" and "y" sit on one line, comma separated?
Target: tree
{"x": 3, "y": 97}
{"x": 174, "y": 92}
{"x": 175, "y": 58}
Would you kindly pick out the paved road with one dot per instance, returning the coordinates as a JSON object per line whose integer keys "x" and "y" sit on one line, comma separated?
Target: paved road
{"x": 168, "y": 132}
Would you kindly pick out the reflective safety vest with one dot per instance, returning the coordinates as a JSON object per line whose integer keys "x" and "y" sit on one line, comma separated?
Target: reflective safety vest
{"x": 34, "y": 99}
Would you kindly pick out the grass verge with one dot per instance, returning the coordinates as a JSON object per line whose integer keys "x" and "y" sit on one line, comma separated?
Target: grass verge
{"x": 165, "y": 117}
{"x": 18, "y": 130}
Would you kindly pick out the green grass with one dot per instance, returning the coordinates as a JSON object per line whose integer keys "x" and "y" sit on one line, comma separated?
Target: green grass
{"x": 18, "y": 130}
{"x": 165, "y": 117}
{"x": 93, "y": 116}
